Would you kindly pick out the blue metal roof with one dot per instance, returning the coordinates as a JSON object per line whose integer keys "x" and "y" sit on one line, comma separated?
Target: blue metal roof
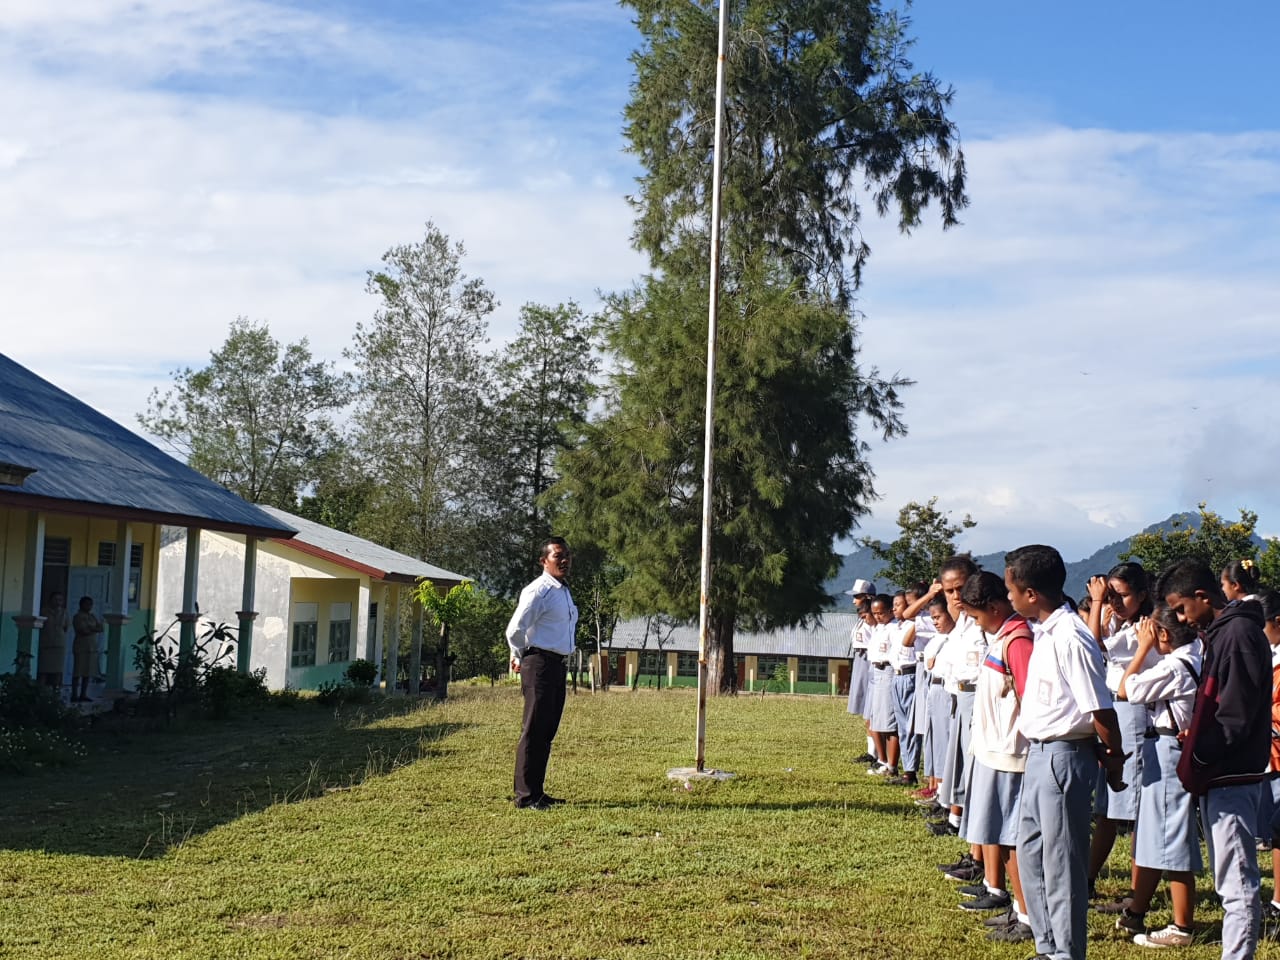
{"x": 86, "y": 463}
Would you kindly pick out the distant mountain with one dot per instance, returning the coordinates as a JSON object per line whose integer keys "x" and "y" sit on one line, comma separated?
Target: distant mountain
{"x": 862, "y": 563}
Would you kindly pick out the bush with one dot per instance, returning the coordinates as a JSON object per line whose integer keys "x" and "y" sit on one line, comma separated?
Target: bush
{"x": 334, "y": 692}
{"x": 36, "y": 728}
{"x": 361, "y": 673}
{"x": 169, "y": 677}
{"x": 227, "y": 687}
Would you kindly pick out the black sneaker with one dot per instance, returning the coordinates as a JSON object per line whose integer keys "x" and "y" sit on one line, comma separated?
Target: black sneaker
{"x": 992, "y": 901}
{"x": 973, "y": 889}
{"x": 965, "y": 860}
{"x": 1001, "y": 919}
{"x": 970, "y": 874}
{"x": 1131, "y": 923}
{"x": 1016, "y": 932}
{"x": 944, "y": 829}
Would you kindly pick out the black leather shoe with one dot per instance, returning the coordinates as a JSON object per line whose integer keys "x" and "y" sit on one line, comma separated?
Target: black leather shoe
{"x": 549, "y": 800}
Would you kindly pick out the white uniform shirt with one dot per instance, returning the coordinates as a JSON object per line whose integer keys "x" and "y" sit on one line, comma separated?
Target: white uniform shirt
{"x": 1121, "y": 647}
{"x": 861, "y": 635}
{"x": 1167, "y": 687}
{"x": 925, "y": 631}
{"x": 1066, "y": 680}
{"x": 970, "y": 649}
{"x": 933, "y": 651}
{"x": 903, "y": 656}
{"x": 545, "y": 617}
{"x": 880, "y": 650}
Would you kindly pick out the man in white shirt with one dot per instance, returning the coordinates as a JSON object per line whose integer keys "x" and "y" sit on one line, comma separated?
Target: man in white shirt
{"x": 540, "y": 636}
{"x": 1066, "y": 707}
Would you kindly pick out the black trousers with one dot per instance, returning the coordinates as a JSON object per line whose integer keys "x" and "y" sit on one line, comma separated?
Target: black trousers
{"x": 542, "y": 677}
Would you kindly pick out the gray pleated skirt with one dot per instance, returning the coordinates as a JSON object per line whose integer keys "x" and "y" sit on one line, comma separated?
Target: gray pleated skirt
{"x": 957, "y": 760}
{"x": 880, "y": 716}
{"x": 938, "y": 732}
{"x": 858, "y": 685}
{"x": 991, "y": 807}
{"x": 1166, "y": 835}
{"x": 1133, "y": 719}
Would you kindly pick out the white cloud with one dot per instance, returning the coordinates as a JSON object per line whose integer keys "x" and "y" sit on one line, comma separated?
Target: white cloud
{"x": 1096, "y": 334}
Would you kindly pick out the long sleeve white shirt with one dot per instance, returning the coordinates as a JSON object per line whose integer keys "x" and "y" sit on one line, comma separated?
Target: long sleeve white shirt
{"x": 545, "y": 617}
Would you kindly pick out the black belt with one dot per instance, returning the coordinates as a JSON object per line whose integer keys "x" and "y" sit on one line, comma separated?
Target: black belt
{"x": 1152, "y": 732}
{"x": 545, "y": 653}
{"x": 936, "y": 680}
{"x": 903, "y": 671}
{"x": 883, "y": 666}
{"x": 859, "y": 654}
{"x": 966, "y": 686}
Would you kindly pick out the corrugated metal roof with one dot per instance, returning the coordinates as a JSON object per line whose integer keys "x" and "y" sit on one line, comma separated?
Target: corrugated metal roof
{"x": 361, "y": 554}
{"x": 85, "y": 462}
{"x": 830, "y": 638}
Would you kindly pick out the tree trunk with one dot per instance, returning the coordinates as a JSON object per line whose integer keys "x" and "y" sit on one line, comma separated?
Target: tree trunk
{"x": 442, "y": 664}
{"x": 722, "y": 669}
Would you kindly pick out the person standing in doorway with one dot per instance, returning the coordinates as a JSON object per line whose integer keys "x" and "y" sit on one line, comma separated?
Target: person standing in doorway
{"x": 540, "y": 636}
{"x": 52, "y": 657}
{"x": 87, "y": 625}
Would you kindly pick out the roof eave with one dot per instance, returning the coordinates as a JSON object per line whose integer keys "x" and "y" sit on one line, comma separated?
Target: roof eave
{"x": 27, "y": 501}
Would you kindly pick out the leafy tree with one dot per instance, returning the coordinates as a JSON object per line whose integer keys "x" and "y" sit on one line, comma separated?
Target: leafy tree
{"x": 421, "y": 376}
{"x": 545, "y": 382}
{"x": 926, "y": 538}
{"x": 257, "y": 419}
{"x": 821, "y": 100}
{"x": 1213, "y": 540}
{"x": 478, "y": 639}
{"x": 446, "y": 611}
{"x": 1269, "y": 563}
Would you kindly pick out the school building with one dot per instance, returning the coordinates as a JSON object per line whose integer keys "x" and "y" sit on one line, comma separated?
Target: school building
{"x": 812, "y": 660}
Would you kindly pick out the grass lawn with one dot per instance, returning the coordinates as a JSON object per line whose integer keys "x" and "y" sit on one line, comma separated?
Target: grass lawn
{"x": 388, "y": 832}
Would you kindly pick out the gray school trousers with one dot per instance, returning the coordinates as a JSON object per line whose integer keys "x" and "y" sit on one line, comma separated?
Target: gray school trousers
{"x": 1229, "y": 815}
{"x": 1053, "y": 844}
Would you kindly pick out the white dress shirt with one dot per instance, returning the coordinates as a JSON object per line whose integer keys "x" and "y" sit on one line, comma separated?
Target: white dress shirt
{"x": 1066, "y": 680}
{"x": 545, "y": 617}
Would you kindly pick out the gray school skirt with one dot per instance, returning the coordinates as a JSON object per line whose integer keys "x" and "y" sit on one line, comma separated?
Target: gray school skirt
{"x": 1133, "y": 719}
{"x": 938, "y": 730}
{"x": 991, "y": 813}
{"x": 920, "y": 719}
{"x": 1166, "y": 836}
{"x": 880, "y": 717}
{"x": 858, "y": 684}
{"x": 958, "y": 757}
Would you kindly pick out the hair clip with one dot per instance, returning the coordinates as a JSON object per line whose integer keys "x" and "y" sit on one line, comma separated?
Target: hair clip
{"x": 1247, "y": 564}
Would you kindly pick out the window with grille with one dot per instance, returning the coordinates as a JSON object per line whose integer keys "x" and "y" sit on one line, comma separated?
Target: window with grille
{"x": 652, "y": 662}
{"x": 339, "y": 632}
{"x": 686, "y": 664}
{"x": 302, "y": 651}
{"x": 107, "y": 554}
{"x": 57, "y": 551}
{"x": 812, "y": 669}
{"x": 766, "y": 667}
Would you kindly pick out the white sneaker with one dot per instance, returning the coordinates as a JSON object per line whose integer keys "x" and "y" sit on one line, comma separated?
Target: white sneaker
{"x": 880, "y": 770}
{"x": 1170, "y": 936}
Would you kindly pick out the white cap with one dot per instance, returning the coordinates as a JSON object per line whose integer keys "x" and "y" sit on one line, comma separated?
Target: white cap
{"x": 860, "y": 587}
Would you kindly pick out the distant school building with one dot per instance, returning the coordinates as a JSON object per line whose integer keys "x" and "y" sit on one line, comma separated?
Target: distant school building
{"x": 812, "y": 660}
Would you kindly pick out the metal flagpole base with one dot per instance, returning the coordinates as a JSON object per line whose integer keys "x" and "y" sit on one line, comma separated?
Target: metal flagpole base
{"x": 687, "y": 775}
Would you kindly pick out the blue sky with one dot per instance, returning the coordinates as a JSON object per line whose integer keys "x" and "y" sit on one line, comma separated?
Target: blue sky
{"x": 1094, "y": 348}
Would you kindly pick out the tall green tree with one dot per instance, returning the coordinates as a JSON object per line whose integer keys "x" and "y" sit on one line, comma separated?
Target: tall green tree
{"x": 821, "y": 103}
{"x": 258, "y": 418}
{"x": 544, "y": 381}
{"x": 926, "y": 538}
{"x": 421, "y": 375}
{"x": 1214, "y": 540}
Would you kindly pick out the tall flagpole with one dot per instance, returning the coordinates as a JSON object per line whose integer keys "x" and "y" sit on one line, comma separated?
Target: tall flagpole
{"x": 709, "y": 434}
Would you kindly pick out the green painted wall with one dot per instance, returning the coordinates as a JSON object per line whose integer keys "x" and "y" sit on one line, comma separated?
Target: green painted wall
{"x": 310, "y": 678}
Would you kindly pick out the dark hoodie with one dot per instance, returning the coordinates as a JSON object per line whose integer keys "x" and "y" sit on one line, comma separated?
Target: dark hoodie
{"x": 1234, "y": 745}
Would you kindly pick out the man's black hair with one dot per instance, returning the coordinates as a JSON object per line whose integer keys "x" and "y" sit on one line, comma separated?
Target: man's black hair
{"x": 1184, "y": 577}
{"x": 1037, "y": 567}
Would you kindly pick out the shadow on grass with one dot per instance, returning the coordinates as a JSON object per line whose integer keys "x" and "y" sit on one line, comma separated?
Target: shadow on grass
{"x": 141, "y": 791}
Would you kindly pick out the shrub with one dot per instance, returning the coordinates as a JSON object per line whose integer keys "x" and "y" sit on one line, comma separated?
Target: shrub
{"x": 361, "y": 673}
{"x": 36, "y": 727}
{"x": 227, "y": 687}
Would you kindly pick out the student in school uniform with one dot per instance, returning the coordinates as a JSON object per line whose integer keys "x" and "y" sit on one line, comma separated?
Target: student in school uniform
{"x": 967, "y": 648}
{"x": 1067, "y": 707}
{"x": 1230, "y": 748}
{"x": 924, "y": 633}
{"x": 880, "y": 713}
{"x": 1270, "y": 601}
{"x": 1119, "y": 601}
{"x": 999, "y": 752}
{"x": 1166, "y": 838}
{"x": 937, "y": 703}
{"x": 859, "y": 667}
{"x": 904, "y": 693}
